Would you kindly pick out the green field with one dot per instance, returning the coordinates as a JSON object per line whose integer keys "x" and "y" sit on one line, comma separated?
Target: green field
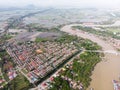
{"x": 114, "y": 30}
{"x": 19, "y": 83}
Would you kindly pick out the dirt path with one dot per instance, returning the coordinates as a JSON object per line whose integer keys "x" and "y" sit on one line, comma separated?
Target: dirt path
{"x": 105, "y": 71}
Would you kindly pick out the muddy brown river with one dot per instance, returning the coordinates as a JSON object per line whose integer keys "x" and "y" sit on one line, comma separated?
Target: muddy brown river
{"x": 106, "y": 70}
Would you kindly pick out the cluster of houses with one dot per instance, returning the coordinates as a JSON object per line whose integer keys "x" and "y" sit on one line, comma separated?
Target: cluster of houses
{"x": 73, "y": 84}
{"x": 39, "y": 59}
{"x": 7, "y": 71}
{"x": 11, "y": 74}
{"x": 115, "y": 42}
{"x": 76, "y": 85}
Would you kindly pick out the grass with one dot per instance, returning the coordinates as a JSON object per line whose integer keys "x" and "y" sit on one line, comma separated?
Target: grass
{"x": 24, "y": 71}
{"x": 41, "y": 40}
{"x": 113, "y": 30}
{"x": 106, "y": 33}
{"x": 19, "y": 83}
{"x": 6, "y": 37}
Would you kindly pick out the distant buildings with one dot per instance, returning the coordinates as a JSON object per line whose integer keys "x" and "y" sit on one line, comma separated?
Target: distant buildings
{"x": 16, "y": 31}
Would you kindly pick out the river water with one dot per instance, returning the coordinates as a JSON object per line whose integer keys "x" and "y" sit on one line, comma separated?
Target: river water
{"x": 105, "y": 71}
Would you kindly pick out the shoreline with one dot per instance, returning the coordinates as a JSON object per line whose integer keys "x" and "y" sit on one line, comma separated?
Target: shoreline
{"x": 106, "y": 70}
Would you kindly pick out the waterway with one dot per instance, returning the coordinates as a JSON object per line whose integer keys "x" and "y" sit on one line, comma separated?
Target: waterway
{"x": 106, "y": 70}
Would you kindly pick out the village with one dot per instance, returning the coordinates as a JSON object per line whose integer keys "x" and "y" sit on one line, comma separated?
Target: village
{"x": 36, "y": 60}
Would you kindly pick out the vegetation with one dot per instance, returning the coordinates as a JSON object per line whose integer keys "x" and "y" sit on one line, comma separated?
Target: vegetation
{"x": 61, "y": 84}
{"x": 6, "y": 37}
{"x": 55, "y": 29}
{"x": 82, "y": 66}
{"x": 41, "y": 40}
{"x": 66, "y": 38}
{"x": 113, "y": 29}
{"x": 19, "y": 83}
{"x": 97, "y": 32}
{"x": 5, "y": 63}
{"x": 89, "y": 61}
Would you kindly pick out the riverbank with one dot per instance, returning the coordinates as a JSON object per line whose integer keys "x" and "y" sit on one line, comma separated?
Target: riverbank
{"x": 106, "y": 70}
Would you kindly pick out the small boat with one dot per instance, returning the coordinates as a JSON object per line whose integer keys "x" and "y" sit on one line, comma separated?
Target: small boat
{"x": 116, "y": 85}
{"x": 91, "y": 88}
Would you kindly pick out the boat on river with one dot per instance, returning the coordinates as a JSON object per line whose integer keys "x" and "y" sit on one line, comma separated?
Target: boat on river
{"x": 116, "y": 85}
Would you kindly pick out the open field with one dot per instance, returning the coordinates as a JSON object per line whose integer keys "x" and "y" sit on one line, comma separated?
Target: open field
{"x": 114, "y": 30}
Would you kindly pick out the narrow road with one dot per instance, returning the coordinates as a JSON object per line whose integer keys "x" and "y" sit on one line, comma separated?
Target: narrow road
{"x": 105, "y": 71}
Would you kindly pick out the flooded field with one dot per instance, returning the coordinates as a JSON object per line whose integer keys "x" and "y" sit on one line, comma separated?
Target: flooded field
{"x": 106, "y": 70}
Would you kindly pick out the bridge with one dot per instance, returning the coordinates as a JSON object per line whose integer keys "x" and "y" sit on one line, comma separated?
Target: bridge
{"x": 103, "y": 51}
